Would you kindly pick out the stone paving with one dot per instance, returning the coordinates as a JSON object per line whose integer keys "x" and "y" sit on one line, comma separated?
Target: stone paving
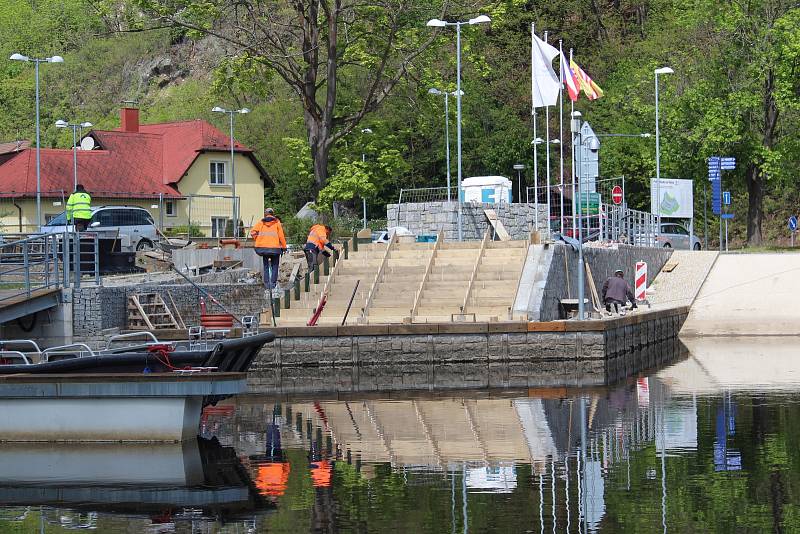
{"x": 680, "y": 286}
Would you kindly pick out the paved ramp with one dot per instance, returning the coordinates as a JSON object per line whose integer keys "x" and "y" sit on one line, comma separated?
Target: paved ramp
{"x": 748, "y": 294}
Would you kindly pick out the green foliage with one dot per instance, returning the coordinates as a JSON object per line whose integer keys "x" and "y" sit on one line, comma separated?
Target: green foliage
{"x": 192, "y": 230}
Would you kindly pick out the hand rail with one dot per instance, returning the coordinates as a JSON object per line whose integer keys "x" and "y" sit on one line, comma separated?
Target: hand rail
{"x": 519, "y": 277}
{"x": 368, "y": 301}
{"x": 29, "y": 264}
{"x": 331, "y": 275}
{"x": 117, "y": 337}
{"x": 439, "y": 239}
{"x": 475, "y": 270}
{"x": 61, "y": 348}
{"x": 16, "y": 353}
{"x": 30, "y": 342}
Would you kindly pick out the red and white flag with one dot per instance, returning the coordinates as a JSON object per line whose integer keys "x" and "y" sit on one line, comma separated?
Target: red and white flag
{"x": 590, "y": 89}
{"x": 569, "y": 79}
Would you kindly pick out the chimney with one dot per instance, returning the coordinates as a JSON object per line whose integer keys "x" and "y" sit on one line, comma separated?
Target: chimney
{"x": 129, "y": 118}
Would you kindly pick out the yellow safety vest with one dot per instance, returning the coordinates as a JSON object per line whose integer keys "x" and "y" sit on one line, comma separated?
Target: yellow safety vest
{"x": 79, "y": 206}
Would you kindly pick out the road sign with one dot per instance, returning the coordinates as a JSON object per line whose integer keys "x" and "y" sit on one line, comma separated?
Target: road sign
{"x": 716, "y": 196}
{"x": 616, "y": 194}
{"x": 589, "y": 203}
{"x": 793, "y": 223}
{"x": 727, "y": 160}
{"x": 726, "y": 198}
{"x": 726, "y": 216}
{"x": 713, "y": 159}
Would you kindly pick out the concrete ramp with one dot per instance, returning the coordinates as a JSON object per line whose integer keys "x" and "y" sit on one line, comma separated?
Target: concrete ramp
{"x": 748, "y": 295}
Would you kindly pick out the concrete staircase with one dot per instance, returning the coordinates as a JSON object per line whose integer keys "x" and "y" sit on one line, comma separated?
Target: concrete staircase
{"x": 417, "y": 282}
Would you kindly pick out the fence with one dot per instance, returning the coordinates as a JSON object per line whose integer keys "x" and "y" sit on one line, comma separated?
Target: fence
{"x": 43, "y": 261}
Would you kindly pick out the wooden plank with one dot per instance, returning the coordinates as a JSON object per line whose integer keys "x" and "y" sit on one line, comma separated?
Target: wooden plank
{"x": 497, "y": 224}
{"x": 669, "y": 266}
{"x": 181, "y": 323}
{"x": 547, "y": 326}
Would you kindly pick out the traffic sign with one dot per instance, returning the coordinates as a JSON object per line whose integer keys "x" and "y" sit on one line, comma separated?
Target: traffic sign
{"x": 793, "y": 223}
{"x": 716, "y": 196}
{"x": 727, "y": 160}
{"x": 726, "y": 216}
{"x": 713, "y": 159}
{"x": 726, "y": 198}
{"x": 727, "y": 166}
{"x": 616, "y": 194}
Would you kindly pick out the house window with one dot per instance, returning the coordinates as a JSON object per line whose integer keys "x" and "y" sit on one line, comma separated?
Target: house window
{"x": 217, "y": 172}
{"x": 218, "y": 226}
{"x": 169, "y": 208}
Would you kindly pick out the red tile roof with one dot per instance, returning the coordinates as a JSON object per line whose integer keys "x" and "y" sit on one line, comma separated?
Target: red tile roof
{"x": 125, "y": 164}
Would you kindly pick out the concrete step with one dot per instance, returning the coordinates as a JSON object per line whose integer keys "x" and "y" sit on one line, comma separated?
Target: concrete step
{"x": 412, "y": 246}
{"x": 521, "y": 244}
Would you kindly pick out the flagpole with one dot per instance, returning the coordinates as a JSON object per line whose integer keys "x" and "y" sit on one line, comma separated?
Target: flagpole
{"x": 547, "y": 152}
{"x": 574, "y": 173}
{"x": 561, "y": 129}
{"x": 535, "y": 152}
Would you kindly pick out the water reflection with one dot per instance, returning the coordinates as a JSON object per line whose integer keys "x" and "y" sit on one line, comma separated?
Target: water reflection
{"x": 705, "y": 445}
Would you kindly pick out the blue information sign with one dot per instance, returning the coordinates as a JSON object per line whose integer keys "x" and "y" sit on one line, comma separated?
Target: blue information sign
{"x": 726, "y": 216}
{"x": 792, "y": 223}
{"x": 726, "y": 198}
{"x": 716, "y": 196}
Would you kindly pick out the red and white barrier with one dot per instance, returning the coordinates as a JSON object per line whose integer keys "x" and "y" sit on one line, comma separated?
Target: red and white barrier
{"x": 640, "y": 289}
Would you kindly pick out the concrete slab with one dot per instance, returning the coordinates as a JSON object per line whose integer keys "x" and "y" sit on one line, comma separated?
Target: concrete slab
{"x": 748, "y": 294}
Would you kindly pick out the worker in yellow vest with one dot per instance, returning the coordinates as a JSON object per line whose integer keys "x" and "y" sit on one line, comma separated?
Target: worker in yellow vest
{"x": 318, "y": 240}
{"x": 270, "y": 243}
{"x": 79, "y": 209}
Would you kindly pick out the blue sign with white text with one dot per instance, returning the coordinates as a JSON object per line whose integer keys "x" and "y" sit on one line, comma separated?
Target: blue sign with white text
{"x": 792, "y": 223}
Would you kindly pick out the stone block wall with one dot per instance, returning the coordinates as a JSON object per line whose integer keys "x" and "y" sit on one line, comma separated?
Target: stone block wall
{"x": 562, "y": 278}
{"x": 430, "y": 217}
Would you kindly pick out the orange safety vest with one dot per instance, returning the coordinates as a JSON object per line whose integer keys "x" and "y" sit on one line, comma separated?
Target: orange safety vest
{"x": 268, "y": 234}
{"x": 318, "y": 236}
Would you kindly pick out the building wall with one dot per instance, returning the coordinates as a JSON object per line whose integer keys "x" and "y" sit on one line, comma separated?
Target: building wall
{"x": 430, "y": 217}
{"x": 249, "y": 189}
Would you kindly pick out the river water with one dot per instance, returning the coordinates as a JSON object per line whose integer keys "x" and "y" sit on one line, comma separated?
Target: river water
{"x": 708, "y": 443}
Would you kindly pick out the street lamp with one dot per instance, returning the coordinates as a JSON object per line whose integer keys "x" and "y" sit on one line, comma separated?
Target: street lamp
{"x": 74, "y": 126}
{"x": 434, "y": 91}
{"x": 231, "y": 113}
{"x": 662, "y": 70}
{"x": 436, "y": 23}
{"x": 519, "y": 167}
{"x": 363, "y": 160}
{"x": 36, "y": 61}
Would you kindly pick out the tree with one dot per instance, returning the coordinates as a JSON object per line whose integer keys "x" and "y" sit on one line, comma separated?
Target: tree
{"x": 321, "y": 49}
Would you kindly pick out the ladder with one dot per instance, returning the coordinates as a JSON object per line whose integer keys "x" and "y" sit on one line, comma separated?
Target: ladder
{"x": 148, "y": 311}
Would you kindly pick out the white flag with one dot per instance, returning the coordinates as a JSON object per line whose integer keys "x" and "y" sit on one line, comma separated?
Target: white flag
{"x": 544, "y": 81}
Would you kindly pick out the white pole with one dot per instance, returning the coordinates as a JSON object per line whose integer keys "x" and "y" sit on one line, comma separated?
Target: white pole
{"x": 458, "y": 124}
{"x": 574, "y": 172}
{"x": 547, "y": 154}
{"x": 74, "y": 158}
{"x": 561, "y": 131}
{"x": 447, "y": 142}
{"x": 535, "y": 151}
{"x": 233, "y": 184}
{"x": 658, "y": 169}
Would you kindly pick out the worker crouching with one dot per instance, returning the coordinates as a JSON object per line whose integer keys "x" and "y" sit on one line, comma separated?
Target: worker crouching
{"x": 270, "y": 243}
{"x": 616, "y": 292}
{"x": 318, "y": 240}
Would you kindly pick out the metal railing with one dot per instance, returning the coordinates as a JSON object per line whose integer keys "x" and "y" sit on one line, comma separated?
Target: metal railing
{"x": 378, "y": 275}
{"x": 46, "y": 261}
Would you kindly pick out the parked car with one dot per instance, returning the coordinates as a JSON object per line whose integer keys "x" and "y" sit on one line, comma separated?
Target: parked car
{"x": 115, "y": 222}
{"x": 674, "y": 235}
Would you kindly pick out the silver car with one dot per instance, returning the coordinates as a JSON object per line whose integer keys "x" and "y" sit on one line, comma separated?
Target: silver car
{"x": 133, "y": 226}
{"x": 674, "y": 235}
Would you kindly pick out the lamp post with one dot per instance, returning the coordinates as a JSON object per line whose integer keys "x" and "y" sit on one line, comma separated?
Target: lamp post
{"x": 436, "y": 23}
{"x": 36, "y": 61}
{"x": 231, "y": 113}
{"x": 575, "y": 127}
{"x": 74, "y": 126}
{"x": 434, "y": 91}
{"x": 363, "y": 160}
{"x": 519, "y": 167}
{"x": 662, "y": 70}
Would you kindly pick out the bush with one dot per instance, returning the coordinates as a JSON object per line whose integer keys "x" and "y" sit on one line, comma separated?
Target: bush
{"x": 192, "y": 230}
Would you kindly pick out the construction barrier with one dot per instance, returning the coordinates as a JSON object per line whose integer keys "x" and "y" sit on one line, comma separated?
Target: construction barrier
{"x": 640, "y": 291}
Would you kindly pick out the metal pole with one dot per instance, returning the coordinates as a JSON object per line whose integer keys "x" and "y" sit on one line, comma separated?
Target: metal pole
{"x": 705, "y": 216}
{"x": 363, "y": 199}
{"x": 233, "y": 184}
{"x": 658, "y": 169}
{"x": 577, "y": 142}
{"x": 74, "y": 158}
{"x": 561, "y": 134}
{"x": 447, "y": 143}
{"x": 38, "y": 154}
{"x": 574, "y": 174}
{"x": 519, "y": 186}
{"x": 458, "y": 124}
{"x": 547, "y": 155}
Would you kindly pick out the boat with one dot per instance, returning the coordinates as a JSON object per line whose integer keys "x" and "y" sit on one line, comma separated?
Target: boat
{"x": 150, "y": 391}
{"x": 197, "y": 354}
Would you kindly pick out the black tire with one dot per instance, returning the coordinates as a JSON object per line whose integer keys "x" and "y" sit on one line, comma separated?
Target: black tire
{"x": 144, "y": 244}
{"x": 696, "y": 246}
{"x": 667, "y": 245}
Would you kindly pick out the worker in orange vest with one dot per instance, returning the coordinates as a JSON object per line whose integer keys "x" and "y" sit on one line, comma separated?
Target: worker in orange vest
{"x": 270, "y": 243}
{"x": 318, "y": 240}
